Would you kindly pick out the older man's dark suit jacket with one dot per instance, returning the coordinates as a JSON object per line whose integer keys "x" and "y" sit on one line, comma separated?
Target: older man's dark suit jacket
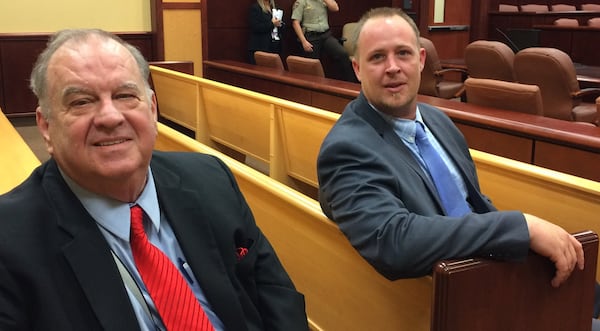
{"x": 373, "y": 187}
{"x": 57, "y": 272}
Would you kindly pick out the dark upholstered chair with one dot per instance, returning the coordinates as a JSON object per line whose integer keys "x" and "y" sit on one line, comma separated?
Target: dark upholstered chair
{"x": 490, "y": 59}
{"x": 553, "y": 71}
{"x": 305, "y": 65}
{"x": 535, "y": 8}
{"x": 270, "y": 60}
{"x": 594, "y": 21}
{"x": 432, "y": 76}
{"x": 563, "y": 7}
{"x": 499, "y": 94}
{"x": 348, "y": 31}
{"x": 566, "y": 22}
{"x": 590, "y": 6}
{"x": 508, "y": 8}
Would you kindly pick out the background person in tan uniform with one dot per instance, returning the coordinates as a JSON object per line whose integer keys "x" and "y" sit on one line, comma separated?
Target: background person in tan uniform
{"x": 310, "y": 22}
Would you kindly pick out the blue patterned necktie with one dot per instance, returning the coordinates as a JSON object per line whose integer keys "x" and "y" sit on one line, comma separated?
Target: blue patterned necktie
{"x": 447, "y": 189}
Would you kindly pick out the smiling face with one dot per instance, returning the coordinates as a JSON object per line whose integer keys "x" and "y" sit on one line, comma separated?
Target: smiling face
{"x": 101, "y": 125}
{"x": 388, "y": 63}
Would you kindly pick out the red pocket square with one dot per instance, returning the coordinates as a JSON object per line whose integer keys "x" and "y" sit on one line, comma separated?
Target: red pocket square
{"x": 240, "y": 252}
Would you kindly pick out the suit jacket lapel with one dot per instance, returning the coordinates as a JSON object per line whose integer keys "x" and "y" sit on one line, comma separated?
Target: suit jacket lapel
{"x": 183, "y": 209}
{"x": 89, "y": 256}
{"x": 385, "y": 130}
{"x": 438, "y": 128}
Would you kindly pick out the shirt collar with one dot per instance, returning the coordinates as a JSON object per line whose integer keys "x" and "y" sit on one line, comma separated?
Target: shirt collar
{"x": 404, "y": 128}
{"x": 114, "y": 215}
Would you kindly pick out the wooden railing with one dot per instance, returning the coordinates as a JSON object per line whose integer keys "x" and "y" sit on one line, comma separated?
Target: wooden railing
{"x": 556, "y": 144}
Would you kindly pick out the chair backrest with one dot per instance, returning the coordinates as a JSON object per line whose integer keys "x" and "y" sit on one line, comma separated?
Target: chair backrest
{"x": 594, "y": 21}
{"x": 566, "y": 22}
{"x": 490, "y": 59}
{"x": 475, "y": 295}
{"x": 553, "y": 71}
{"x": 504, "y": 95}
{"x": 563, "y": 7}
{"x": 590, "y": 6}
{"x": 348, "y": 34}
{"x": 508, "y": 8}
{"x": 271, "y": 60}
{"x": 305, "y": 65}
{"x": 534, "y": 8}
{"x": 429, "y": 79}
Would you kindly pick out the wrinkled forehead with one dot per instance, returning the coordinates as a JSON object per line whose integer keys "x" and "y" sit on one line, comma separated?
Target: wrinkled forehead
{"x": 93, "y": 50}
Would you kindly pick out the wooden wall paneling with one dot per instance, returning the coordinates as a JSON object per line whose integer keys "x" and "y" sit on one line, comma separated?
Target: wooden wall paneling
{"x": 2, "y": 106}
{"x": 561, "y": 158}
{"x": 19, "y": 53}
{"x": 557, "y": 39}
{"x": 143, "y": 41}
{"x": 585, "y": 47}
{"x": 287, "y": 92}
{"x": 479, "y": 19}
{"x": 498, "y": 143}
{"x": 450, "y": 43}
{"x": 156, "y": 18}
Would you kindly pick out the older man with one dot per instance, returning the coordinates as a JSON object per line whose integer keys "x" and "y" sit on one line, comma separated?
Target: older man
{"x": 109, "y": 235}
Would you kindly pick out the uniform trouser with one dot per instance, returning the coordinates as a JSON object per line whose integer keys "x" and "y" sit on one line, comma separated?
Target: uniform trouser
{"x": 325, "y": 43}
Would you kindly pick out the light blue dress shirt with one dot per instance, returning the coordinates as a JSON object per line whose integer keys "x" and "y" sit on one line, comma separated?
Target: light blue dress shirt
{"x": 113, "y": 220}
{"x": 406, "y": 130}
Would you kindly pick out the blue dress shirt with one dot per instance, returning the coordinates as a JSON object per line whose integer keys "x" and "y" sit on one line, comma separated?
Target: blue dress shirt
{"x": 405, "y": 129}
{"x": 113, "y": 220}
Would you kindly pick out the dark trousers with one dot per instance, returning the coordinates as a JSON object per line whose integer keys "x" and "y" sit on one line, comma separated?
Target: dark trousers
{"x": 325, "y": 43}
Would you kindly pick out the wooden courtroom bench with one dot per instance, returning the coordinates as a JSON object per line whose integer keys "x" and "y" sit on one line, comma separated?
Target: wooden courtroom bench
{"x": 17, "y": 160}
{"x": 560, "y": 145}
{"x": 343, "y": 292}
{"x": 567, "y": 200}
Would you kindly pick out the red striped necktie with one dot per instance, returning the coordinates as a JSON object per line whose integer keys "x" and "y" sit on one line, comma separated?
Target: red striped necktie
{"x": 173, "y": 298}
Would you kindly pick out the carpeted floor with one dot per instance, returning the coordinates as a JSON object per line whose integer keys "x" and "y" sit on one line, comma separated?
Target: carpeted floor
{"x": 28, "y": 130}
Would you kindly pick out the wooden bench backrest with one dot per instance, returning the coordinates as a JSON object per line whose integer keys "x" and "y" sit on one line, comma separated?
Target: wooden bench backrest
{"x": 484, "y": 295}
{"x": 297, "y": 133}
{"x": 343, "y": 292}
{"x": 17, "y": 160}
{"x": 569, "y": 201}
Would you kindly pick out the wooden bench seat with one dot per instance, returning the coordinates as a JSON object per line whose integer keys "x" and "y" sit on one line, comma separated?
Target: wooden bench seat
{"x": 320, "y": 260}
{"x": 343, "y": 292}
{"x": 295, "y": 131}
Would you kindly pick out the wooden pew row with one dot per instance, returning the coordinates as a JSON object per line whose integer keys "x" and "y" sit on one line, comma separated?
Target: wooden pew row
{"x": 342, "y": 290}
{"x": 336, "y": 281}
{"x": 289, "y": 142}
{"x": 560, "y": 145}
{"x": 17, "y": 160}
{"x": 344, "y": 293}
